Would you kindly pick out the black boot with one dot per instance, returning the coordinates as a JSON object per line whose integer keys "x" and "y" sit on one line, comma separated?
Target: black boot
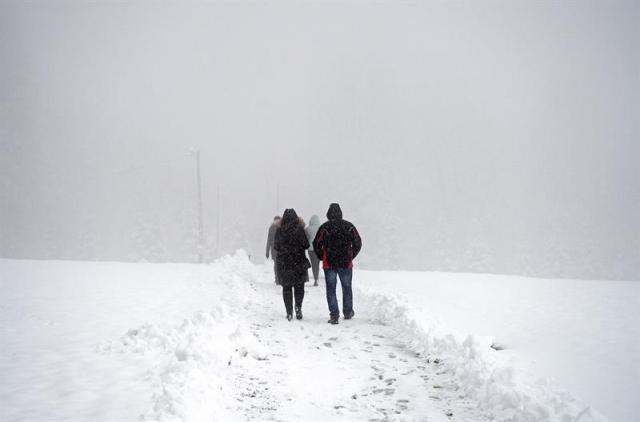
{"x": 289, "y": 317}
{"x": 349, "y": 315}
{"x": 333, "y": 320}
{"x": 298, "y": 313}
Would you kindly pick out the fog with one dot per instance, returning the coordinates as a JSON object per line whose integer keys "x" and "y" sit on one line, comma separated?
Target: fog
{"x": 490, "y": 136}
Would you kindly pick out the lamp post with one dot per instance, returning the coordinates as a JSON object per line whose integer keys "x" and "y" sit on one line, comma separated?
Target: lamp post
{"x": 196, "y": 153}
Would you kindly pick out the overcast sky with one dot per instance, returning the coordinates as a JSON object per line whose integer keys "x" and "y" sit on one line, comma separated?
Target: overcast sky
{"x": 485, "y": 125}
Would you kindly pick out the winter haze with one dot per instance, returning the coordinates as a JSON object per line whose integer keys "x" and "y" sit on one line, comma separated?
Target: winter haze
{"x": 488, "y": 136}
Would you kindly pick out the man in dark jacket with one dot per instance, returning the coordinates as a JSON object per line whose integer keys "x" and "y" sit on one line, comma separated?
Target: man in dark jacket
{"x": 337, "y": 243}
{"x": 270, "y": 239}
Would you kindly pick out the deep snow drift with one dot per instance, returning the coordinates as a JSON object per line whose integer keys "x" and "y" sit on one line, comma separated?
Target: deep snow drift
{"x": 179, "y": 342}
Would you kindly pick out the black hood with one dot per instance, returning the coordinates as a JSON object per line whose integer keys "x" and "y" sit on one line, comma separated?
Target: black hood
{"x": 334, "y": 212}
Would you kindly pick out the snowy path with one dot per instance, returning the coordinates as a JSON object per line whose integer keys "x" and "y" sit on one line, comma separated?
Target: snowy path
{"x": 352, "y": 371}
{"x": 207, "y": 343}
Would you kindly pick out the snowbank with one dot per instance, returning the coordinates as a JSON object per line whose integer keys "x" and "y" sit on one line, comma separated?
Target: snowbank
{"x": 500, "y": 389}
{"x": 110, "y": 341}
{"x": 196, "y": 356}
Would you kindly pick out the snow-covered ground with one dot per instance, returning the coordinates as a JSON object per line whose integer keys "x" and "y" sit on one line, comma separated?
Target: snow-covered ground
{"x": 583, "y": 335}
{"x": 178, "y": 342}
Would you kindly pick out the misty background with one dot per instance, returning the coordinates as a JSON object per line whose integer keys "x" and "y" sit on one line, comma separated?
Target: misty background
{"x": 489, "y": 136}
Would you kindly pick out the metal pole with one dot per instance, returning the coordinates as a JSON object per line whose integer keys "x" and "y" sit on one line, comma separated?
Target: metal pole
{"x": 200, "y": 225}
{"x": 218, "y": 221}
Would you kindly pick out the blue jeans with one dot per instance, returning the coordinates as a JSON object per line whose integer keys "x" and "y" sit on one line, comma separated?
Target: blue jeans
{"x": 331, "y": 280}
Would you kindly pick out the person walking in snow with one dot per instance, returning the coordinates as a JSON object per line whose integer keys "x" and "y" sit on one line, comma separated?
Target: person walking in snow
{"x": 311, "y": 230}
{"x": 270, "y": 238}
{"x": 303, "y": 224}
{"x": 290, "y": 243}
{"x": 337, "y": 243}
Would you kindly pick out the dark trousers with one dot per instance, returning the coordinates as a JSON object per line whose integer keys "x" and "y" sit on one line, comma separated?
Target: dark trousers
{"x": 288, "y": 293}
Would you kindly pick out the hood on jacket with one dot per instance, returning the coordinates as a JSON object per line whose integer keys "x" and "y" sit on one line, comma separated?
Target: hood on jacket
{"x": 334, "y": 212}
{"x": 314, "y": 220}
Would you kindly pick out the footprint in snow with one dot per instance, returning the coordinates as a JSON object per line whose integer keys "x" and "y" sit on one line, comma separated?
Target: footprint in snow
{"x": 402, "y": 405}
{"x": 386, "y": 391}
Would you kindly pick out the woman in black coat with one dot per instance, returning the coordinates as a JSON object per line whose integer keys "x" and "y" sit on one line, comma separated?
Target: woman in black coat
{"x": 291, "y": 242}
